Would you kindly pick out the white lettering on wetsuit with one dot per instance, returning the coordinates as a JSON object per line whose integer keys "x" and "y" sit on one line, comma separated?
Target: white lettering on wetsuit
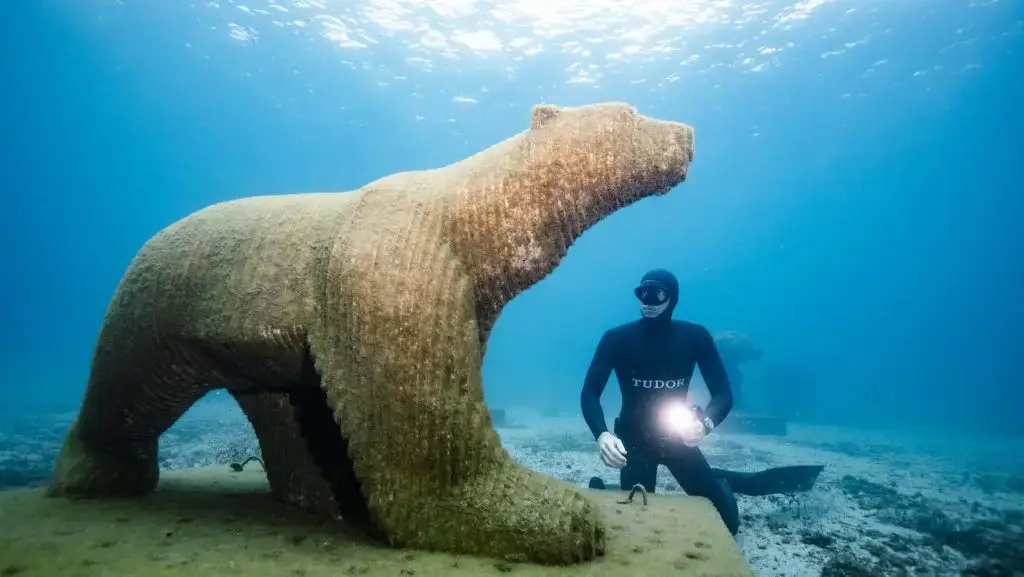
{"x": 659, "y": 384}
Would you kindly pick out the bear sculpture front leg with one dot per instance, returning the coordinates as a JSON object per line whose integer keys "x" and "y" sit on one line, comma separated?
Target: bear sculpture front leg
{"x": 400, "y": 360}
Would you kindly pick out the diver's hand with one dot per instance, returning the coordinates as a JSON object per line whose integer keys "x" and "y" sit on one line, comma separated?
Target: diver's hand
{"x": 692, "y": 436}
{"x": 694, "y": 431}
{"x": 613, "y": 453}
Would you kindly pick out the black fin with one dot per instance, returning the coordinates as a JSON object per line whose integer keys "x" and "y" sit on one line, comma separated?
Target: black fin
{"x": 792, "y": 479}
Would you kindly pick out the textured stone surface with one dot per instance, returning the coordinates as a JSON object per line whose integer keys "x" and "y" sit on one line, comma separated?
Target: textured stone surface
{"x": 211, "y": 521}
{"x": 351, "y": 328}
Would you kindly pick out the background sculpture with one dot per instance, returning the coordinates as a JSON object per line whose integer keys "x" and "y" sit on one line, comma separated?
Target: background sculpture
{"x": 736, "y": 348}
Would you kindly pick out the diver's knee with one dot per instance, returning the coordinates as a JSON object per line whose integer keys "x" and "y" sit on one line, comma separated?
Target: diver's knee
{"x": 728, "y": 508}
{"x": 732, "y": 523}
{"x": 730, "y": 515}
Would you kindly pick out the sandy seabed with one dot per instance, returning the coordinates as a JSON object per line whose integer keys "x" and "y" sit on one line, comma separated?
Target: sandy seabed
{"x": 886, "y": 504}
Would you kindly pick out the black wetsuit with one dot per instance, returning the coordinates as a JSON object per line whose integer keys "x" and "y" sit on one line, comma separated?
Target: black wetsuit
{"x": 654, "y": 360}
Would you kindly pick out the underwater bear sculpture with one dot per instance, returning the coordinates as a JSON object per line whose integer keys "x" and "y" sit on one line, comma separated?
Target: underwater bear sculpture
{"x": 351, "y": 329}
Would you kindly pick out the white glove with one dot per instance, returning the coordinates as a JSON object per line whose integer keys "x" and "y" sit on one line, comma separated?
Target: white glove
{"x": 613, "y": 453}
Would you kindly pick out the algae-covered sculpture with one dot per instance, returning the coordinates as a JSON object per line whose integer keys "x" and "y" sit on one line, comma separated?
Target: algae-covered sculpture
{"x": 351, "y": 329}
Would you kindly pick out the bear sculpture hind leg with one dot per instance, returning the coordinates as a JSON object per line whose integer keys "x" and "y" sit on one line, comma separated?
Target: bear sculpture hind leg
{"x": 292, "y": 472}
{"x": 137, "y": 389}
{"x": 306, "y": 458}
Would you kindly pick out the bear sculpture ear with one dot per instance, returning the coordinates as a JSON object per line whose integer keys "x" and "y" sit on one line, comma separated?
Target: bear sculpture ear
{"x": 543, "y": 114}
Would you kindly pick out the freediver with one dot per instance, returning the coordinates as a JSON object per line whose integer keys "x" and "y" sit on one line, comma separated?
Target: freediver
{"x": 654, "y": 359}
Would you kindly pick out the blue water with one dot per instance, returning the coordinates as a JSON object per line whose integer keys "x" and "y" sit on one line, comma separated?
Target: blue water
{"x": 852, "y": 205}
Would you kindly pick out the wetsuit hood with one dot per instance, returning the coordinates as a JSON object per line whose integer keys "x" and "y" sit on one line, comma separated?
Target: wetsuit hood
{"x": 666, "y": 280}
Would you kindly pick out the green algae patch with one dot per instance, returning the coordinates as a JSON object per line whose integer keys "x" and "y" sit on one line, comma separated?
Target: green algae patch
{"x": 215, "y": 521}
